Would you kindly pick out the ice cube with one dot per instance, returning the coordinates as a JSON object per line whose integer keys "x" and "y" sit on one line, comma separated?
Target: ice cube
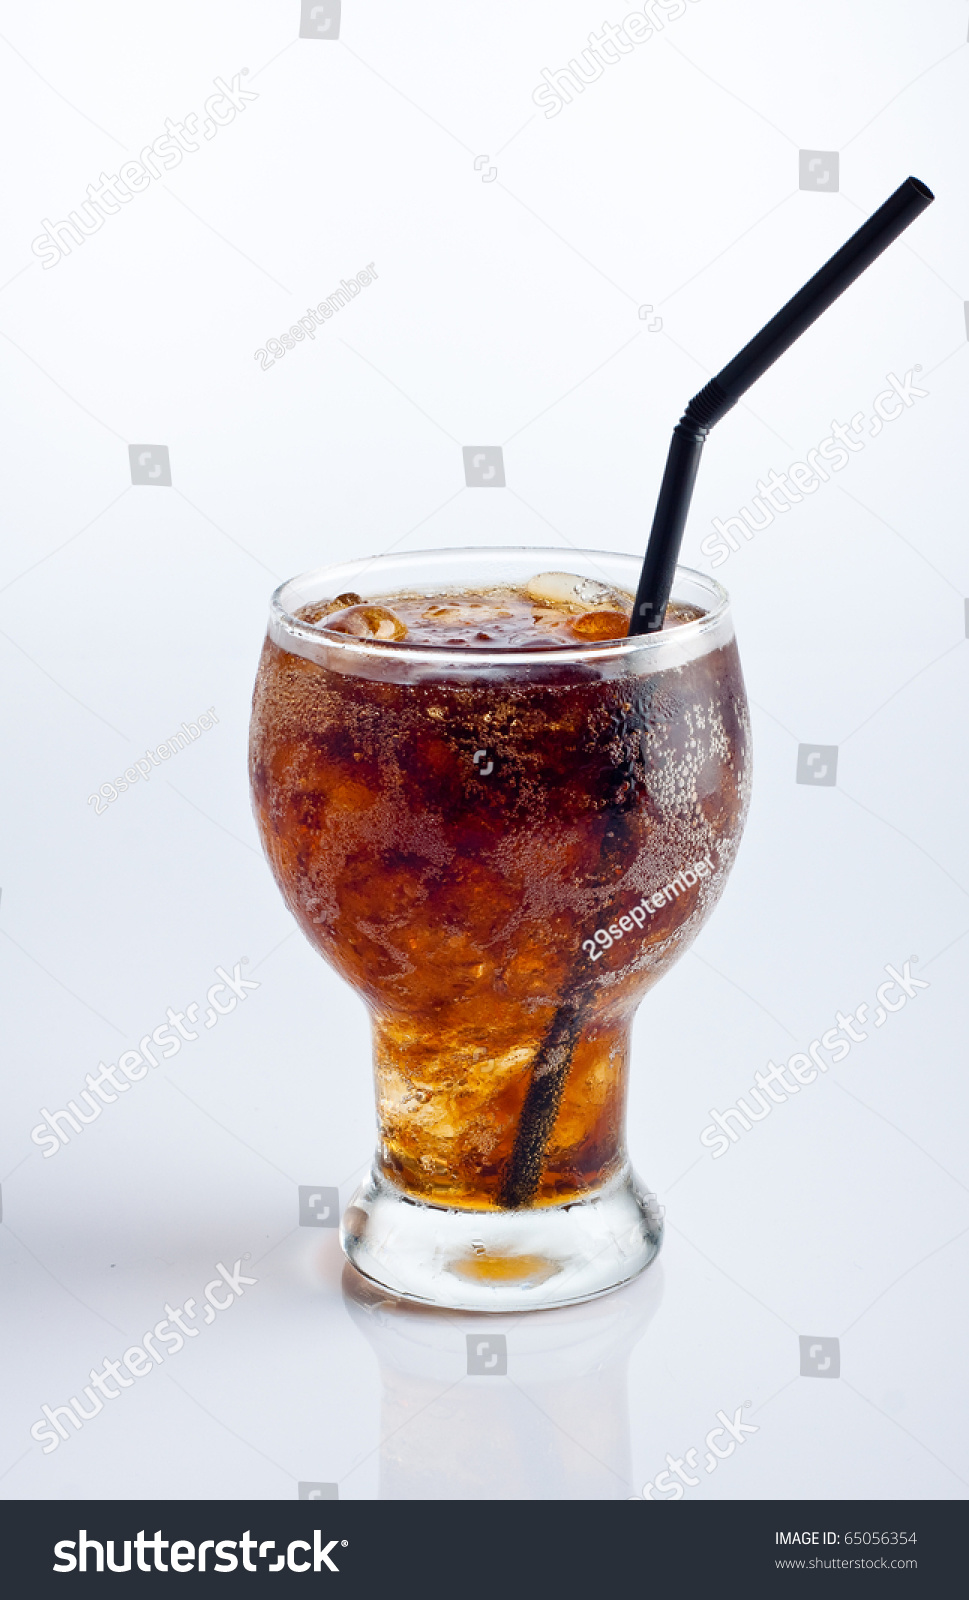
{"x": 567, "y": 589}
{"x": 323, "y": 608}
{"x": 366, "y": 622}
{"x": 605, "y": 622}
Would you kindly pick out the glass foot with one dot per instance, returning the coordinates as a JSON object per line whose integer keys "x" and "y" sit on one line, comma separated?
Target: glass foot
{"x": 530, "y": 1259}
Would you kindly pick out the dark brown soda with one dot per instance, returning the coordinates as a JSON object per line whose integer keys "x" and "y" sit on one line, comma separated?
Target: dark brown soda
{"x": 452, "y": 847}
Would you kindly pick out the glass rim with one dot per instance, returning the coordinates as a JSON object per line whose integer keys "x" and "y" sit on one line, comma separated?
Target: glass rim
{"x": 686, "y": 634}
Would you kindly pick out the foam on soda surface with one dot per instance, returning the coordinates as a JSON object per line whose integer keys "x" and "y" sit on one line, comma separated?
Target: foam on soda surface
{"x": 553, "y": 610}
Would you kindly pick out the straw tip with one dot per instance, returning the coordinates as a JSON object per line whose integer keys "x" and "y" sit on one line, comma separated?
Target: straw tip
{"x": 922, "y": 188}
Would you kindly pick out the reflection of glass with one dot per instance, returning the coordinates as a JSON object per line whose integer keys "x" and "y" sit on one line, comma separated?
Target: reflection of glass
{"x": 501, "y": 850}
{"x": 556, "y": 1427}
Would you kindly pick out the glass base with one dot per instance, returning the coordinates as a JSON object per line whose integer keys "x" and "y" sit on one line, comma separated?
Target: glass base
{"x": 530, "y": 1259}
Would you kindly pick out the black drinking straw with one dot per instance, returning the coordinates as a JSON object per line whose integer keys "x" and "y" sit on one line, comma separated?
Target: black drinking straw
{"x": 723, "y": 391}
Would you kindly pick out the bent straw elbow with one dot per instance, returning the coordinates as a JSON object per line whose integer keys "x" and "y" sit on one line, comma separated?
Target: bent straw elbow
{"x": 706, "y": 408}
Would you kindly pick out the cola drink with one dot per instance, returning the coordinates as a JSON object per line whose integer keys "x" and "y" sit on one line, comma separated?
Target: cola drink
{"x": 500, "y": 821}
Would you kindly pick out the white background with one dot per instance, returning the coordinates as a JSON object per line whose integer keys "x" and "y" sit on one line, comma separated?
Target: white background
{"x": 506, "y": 310}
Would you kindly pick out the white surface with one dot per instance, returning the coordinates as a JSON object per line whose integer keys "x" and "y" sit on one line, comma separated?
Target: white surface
{"x": 504, "y": 311}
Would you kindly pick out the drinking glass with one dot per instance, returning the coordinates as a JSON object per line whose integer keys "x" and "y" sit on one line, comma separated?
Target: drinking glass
{"x": 501, "y": 850}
